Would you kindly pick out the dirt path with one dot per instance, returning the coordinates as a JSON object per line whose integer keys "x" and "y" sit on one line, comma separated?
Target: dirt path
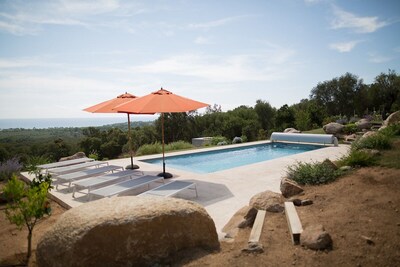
{"x": 364, "y": 203}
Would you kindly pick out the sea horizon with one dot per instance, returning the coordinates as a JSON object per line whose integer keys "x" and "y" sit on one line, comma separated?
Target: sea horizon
{"x": 44, "y": 123}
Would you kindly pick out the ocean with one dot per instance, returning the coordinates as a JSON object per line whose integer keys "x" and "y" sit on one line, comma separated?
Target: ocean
{"x": 60, "y": 122}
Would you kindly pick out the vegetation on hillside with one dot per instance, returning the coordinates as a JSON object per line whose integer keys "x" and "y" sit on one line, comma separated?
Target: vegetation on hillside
{"x": 344, "y": 99}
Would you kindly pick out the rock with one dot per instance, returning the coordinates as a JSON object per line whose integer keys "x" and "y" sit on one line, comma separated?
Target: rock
{"x": 315, "y": 237}
{"x": 77, "y": 155}
{"x": 392, "y": 119}
{"x": 371, "y": 152}
{"x": 296, "y": 202}
{"x": 330, "y": 164}
{"x": 290, "y": 188}
{"x": 268, "y": 201}
{"x": 333, "y": 128}
{"x": 368, "y": 134}
{"x": 291, "y": 130}
{"x": 363, "y": 124}
{"x": 350, "y": 138}
{"x": 126, "y": 231}
{"x": 345, "y": 168}
{"x": 241, "y": 219}
{"x": 237, "y": 140}
{"x": 368, "y": 240}
{"x": 306, "y": 202}
{"x": 253, "y": 247}
{"x": 223, "y": 143}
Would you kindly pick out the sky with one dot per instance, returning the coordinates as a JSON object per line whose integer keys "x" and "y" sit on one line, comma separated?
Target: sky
{"x": 59, "y": 57}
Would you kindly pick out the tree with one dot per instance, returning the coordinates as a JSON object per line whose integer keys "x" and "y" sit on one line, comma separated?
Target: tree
{"x": 284, "y": 118}
{"x": 28, "y": 205}
{"x": 266, "y": 114}
{"x": 387, "y": 89}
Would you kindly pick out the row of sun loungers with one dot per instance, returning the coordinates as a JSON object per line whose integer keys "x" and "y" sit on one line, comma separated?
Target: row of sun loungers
{"x": 103, "y": 180}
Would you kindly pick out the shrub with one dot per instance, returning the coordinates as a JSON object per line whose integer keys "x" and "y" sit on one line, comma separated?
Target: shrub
{"x": 179, "y": 145}
{"x": 312, "y": 173}
{"x": 32, "y": 163}
{"x": 350, "y": 128}
{"x": 391, "y": 130}
{"x": 378, "y": 141}
{"x": 218, "y": 139}
{"x": 8, "y": 168}
{"x": 149, "y": 149}
{"x": 357, "y": 158}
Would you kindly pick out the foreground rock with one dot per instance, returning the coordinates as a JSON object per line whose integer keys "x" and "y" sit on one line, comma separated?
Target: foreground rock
{"x": 267, "y": 200}
{"x": 77, "y": 155}
{"x": 241, "y": 219}
{"x": 333, "y": 128}
{"x": 315, "y": 237}
{"x": 290, "y": 188}
{"x": 368, "y": 134}
{"x": 126, "y": 231}
{"x": 392, "y": 119}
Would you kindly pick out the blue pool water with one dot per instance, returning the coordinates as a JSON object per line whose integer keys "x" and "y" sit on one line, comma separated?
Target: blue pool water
{"x": 212, "y": 161}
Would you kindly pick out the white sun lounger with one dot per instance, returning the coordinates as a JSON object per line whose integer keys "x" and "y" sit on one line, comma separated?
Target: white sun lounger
{"x": 76, "y": 167}
{"x": 98, "y": 181}
{"x": 70, "y": 177}
{"x": 170, "y": 189}
{"x": 63, "y": 163}
{"x": 119, "y": 188}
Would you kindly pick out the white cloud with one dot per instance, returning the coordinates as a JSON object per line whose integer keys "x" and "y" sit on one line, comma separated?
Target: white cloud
{"x": 344, "y": 19}
{"x": 344, "y": 47}
{"x": 265, "y": 66}
{"x": 216, "y": 23}
{"x": 202, "y": 40}
{"x": 377, "y": 58}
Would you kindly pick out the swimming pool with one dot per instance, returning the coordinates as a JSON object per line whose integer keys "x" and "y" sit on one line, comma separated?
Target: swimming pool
{"x": 218, "y": 160}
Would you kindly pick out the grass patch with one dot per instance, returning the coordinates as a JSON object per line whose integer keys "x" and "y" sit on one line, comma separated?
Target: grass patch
{"x": 312, "y": 173}
{"x": 379, "y": 141}
{"x": 391, "y": 158}
{"x": 357, "y": 158}
{"x": 315, "y": 131}
{"x": 156, "y": 148}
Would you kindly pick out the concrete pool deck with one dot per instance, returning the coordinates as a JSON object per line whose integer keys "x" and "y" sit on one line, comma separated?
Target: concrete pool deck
{"x": 221, "y": 193}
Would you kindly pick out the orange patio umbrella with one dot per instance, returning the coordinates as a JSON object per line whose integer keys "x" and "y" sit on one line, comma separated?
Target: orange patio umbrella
{"x": 161, "y": 101}
{"x": 108, "y": 107}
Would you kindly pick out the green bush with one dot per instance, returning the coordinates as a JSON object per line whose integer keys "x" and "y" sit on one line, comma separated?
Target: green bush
{"x": 350, "y": 128}
{"x": 217, "y": 139}
{"x": 149, "y": 149}
{"x": 391, "y": 130}
{"x": 378, "y": 141}
{"x": 312, "y": 173}
{"x": 357, "y": 158}
{"x": 179, "y": 145}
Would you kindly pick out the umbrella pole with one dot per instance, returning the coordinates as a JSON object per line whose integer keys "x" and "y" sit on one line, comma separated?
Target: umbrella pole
{"x": 132, "y": 167}
{"x": 163, "y": 174}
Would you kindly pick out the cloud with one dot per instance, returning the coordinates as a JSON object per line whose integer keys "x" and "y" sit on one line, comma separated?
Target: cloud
{"x": 263, "y": 66}
{"x": 344, "y": 47}
{"x": 377, "y": 58}
{"x": 202, "y": 40}
{"x": 216, "y": 23}
{"x": 344, "y": 19}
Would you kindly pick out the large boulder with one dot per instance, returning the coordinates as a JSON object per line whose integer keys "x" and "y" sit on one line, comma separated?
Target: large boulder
{"x": 392, "y": 119}
{"x": 363, "y": 124}
{"x": 368, "y": 134}
{"x": 77, "y": 155}
{"x": 291, "y": 130}
{"x": 126, "y": 231}
{"x": 267, "y": 200}
{"x": 290, "y": 188}
{"x": 243, "y": 218}
{"x": 315, "y": 237}
{"x": 333, "y": 128}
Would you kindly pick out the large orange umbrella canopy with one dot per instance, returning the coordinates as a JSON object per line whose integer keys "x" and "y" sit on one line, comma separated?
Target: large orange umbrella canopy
{"x": 108, "y": 106}
{"x": 161, "y": 101}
